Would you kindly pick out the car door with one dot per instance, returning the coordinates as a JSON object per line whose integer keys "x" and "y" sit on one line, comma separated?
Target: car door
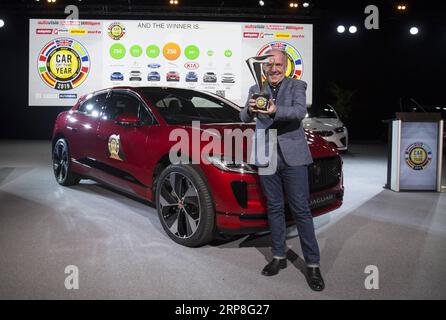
{"x": 83, "y": 124}
{"x": 122, "y": 148}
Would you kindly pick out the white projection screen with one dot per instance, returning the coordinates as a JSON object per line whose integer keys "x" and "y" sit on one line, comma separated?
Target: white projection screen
{"x": 70, "y": 58}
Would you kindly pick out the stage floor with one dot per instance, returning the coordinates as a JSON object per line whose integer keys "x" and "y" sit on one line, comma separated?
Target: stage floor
{"x": 122, "y": 252}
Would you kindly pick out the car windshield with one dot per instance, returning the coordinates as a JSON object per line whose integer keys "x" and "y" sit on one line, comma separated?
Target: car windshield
{"x": 179, "y": 106}
{"x": 324, "y": 111}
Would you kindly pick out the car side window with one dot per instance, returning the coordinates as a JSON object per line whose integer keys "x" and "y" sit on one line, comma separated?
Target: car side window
{"x": 120, "y": 103}
{"x": 145, "y": 116}
{"x": 94, "y": 105}
{"x": 200, "y": 102}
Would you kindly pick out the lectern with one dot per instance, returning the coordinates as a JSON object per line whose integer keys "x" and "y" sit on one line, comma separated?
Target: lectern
{"x": 415, "y": 152}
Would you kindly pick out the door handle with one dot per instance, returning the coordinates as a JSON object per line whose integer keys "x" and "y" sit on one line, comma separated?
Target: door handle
{"x": 72, "y": 129}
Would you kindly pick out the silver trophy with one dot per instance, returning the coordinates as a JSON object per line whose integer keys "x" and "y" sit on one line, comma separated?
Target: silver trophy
{"x": 255, "y": 66}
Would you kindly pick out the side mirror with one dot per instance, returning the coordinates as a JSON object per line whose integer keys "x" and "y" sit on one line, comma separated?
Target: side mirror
{"x": 128, "y": 119}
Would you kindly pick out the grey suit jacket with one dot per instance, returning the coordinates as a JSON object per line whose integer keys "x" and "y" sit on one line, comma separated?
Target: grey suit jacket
{"x": 291, "y": 109}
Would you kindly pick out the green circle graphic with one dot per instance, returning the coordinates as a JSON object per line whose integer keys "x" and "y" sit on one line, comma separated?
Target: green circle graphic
{"x": 117, "y": 51}
{"x": 153, "y": 51}
{"x": 210, "y": 53}
{"x": 228, "y": 53}
{"x": 192, "y": 52}
{"x": 136, "y": 50}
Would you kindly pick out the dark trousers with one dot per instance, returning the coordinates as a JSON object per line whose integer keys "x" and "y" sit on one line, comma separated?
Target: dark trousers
{"x": 292, "y": 181}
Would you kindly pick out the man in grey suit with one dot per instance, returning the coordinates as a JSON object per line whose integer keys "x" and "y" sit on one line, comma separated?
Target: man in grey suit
{"x": 286, "y": 110}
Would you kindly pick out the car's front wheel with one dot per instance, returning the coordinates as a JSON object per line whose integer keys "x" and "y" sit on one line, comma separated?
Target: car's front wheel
{"x": 185, "y": 206}
{"x": 62, "y": 164}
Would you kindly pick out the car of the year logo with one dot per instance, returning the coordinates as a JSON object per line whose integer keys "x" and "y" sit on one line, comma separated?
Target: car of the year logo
{"x": 123, "y": 137}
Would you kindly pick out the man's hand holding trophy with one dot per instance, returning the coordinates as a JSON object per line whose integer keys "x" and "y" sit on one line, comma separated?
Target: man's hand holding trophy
{"x": 260, "y": 102}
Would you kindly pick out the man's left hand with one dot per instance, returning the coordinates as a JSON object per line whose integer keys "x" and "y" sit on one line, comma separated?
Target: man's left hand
{"x": 271, "y": 110}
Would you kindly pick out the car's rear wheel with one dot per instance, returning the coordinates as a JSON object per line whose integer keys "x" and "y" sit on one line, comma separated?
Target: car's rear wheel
{"x": 62, "y": 164}
{"x": 185, "y": 206}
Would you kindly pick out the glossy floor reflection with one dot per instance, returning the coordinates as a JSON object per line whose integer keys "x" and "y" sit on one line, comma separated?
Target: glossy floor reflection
{"x": 121, "y": 251}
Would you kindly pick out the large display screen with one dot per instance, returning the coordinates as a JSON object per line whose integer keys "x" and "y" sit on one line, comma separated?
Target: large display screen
{"x": 70, "y": 58}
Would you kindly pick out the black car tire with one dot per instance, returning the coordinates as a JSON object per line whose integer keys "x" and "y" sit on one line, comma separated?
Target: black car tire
{"x": 180, "y": 220}
{"x": 62, "y": 164}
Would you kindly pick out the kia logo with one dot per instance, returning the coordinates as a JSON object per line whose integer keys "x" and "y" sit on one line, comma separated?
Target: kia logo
{"x": 191, "y": 65}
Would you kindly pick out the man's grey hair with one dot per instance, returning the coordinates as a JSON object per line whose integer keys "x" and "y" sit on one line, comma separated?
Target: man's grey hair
{"x": 283, "y": 52}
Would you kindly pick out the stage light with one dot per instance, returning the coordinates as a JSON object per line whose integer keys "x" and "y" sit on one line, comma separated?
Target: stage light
{"x": 401, "y": 7}
{"x": 2, "y": 23}
{"x": 352, "y": 29}
{"x": 305, "y": 4}
{"x": 340, "y": 29}
{"x": 261, "y": 3}
{"x": 413, "y": 31}
{"x": 294, "y": 4}
{"x": 173, "y": 2}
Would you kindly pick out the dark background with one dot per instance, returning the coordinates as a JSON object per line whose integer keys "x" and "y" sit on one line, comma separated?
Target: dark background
{"x": 379, "y": 66}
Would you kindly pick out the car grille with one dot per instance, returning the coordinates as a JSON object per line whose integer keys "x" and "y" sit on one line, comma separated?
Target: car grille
{"x": 324, "y": 173}
{"x": 325, "y": 133}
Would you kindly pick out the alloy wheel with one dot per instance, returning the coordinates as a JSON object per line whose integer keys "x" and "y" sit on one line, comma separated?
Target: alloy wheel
{"x": 60, "y": 161}
{"x": 180, "y": 205}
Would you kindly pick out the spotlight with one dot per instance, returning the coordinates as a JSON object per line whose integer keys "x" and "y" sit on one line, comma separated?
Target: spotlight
{"x": 413, "y": 31}
{"x": 294, "y": 4}
{"x": 352, "y": 29}
{"x": 261, "y": 3}
{"x": 401, "y": 7}
{"x": 173, "y": 2}
{"x": 305, "y": 4}
{"x": 340, "y": 29}
{"x": 2, "y": 23}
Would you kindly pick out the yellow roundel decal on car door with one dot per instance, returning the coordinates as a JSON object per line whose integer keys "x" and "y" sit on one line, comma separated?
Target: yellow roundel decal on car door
{"x": 114, "y": 148}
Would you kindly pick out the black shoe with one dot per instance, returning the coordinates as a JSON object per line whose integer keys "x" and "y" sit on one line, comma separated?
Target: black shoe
{"x": 273, "y": 268}
{"x": 314, "y": 279}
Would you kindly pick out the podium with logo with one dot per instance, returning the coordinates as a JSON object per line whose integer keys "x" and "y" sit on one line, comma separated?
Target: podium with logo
{"x": 416, "y": 152}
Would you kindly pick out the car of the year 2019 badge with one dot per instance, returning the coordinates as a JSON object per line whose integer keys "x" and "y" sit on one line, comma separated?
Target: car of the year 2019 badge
{"x": 122, "y": 137}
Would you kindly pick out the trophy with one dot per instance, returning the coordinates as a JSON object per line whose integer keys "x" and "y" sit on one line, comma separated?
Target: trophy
{"x": 255, "y": 66}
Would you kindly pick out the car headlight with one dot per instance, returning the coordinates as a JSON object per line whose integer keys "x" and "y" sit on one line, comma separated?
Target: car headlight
{"x": 339, "y": 130}
{"x": 227, "y": 164}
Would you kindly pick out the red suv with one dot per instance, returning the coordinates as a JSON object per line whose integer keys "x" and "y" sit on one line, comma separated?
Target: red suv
{"x": 122, "y": 137}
